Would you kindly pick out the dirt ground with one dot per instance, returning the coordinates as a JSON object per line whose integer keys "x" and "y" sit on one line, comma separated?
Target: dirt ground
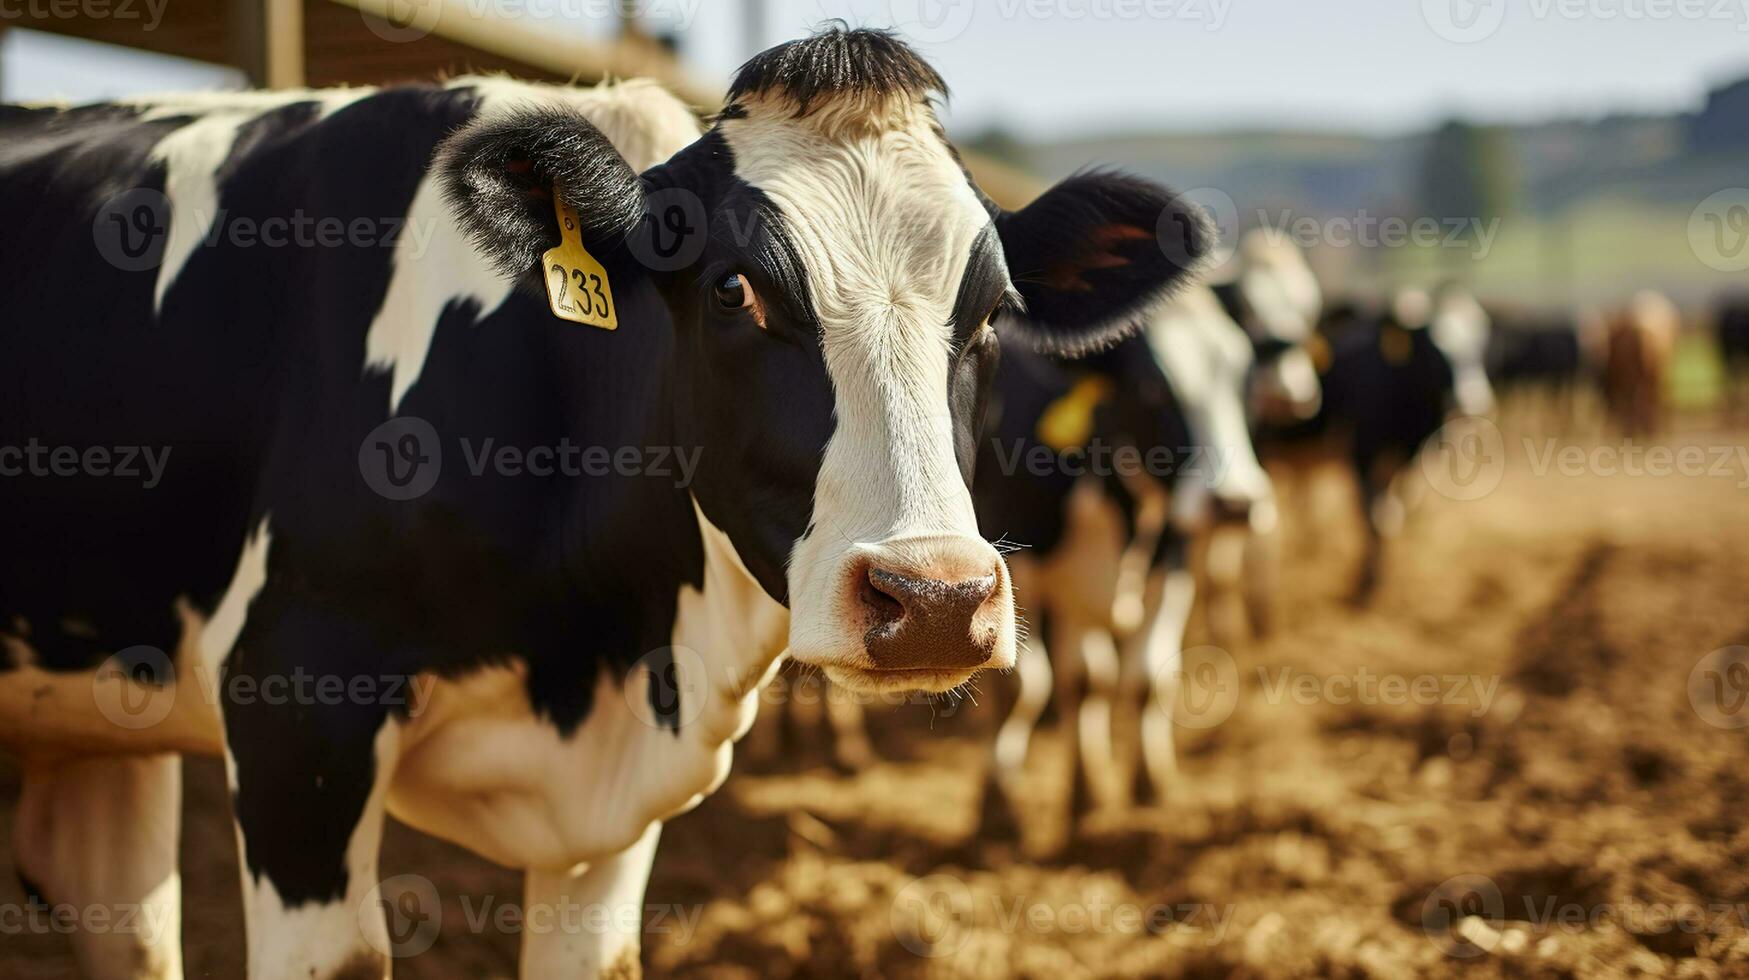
{"x": 1569, "y": 803}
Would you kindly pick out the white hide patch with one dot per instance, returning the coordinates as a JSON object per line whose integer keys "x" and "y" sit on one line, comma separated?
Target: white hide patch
{"x": 193, "y": 154}
{"x": 479, "y": 766}
{"x": 435, "y": 264}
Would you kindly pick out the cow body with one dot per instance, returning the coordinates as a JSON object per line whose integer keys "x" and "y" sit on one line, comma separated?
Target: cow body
{"x": 1641, "y": 340}
{"x": 494, "y": 619}
{"x": 414, "y": 544}
{"x": 1391, "y": 378}
{"x": 1542, "y": 356}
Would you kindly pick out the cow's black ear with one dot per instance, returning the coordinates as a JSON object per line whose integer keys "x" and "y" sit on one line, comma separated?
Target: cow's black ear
{"x": 1094, "y": 252}
{"x": 500, "y": 175}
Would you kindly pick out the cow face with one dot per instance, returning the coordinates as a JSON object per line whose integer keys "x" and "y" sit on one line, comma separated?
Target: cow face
{"x": 1280, "y": 302}
{"x": 1461, "y": 328}
{"x": 833, "y": 276}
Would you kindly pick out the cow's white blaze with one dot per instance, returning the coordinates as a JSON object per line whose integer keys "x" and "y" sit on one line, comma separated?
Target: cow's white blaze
{"x": 884, "y": 220}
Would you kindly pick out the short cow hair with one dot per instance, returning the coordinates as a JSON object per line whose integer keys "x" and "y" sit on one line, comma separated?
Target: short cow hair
{"x": 864, "y": 64}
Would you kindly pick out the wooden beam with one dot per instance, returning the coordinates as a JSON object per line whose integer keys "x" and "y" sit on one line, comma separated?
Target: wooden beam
{"x": 267, "y": 41}
{"x": 561, "y": 56}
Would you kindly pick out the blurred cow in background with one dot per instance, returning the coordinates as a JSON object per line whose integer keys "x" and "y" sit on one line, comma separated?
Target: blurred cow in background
{"x": 1731, "y": 334}
{"x": 1642, "y": 337}
{"x": 1392, "y": 377}
{"x": 1275, "y": 297}
{"x": 1106, "y": 577}
{"x": 1542, "y": 361}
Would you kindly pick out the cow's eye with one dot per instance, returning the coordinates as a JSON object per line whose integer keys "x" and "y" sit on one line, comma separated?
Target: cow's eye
{"x": 733, "y": 293}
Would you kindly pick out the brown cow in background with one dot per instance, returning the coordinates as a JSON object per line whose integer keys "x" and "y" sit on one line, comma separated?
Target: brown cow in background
{"x": 1641, "y": 339}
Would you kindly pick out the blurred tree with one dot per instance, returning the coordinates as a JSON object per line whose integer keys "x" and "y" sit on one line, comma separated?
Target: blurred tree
{"x": 1723, "y": 126}
{"x": 1467, "y": 175}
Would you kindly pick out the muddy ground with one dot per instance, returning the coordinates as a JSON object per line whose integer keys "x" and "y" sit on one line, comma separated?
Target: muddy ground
{"x": 1589, "y": 800}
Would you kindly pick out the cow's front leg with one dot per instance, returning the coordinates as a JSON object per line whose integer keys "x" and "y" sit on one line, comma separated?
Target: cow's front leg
{"x": 310, "y": 755}
{"x": 587, "y": 921}
{"x": 97, "y": 837}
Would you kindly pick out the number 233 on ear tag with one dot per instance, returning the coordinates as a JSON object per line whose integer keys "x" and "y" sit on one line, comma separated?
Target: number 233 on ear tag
{"x": 577, "y": 287}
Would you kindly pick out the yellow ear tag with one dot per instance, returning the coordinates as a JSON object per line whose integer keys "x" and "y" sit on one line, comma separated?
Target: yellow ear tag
{"x": 1395, "y": 345}
{"x": 577, "y": 287}
{"x": 1067, "y": 423}
{"x": 1319, "y": 350}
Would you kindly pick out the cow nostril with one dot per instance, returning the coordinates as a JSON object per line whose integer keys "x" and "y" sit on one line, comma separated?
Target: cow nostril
{"x": 883, "y": 594}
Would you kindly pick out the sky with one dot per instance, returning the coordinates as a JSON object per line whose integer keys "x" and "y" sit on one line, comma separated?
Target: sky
{"x": 1060, "y": 68}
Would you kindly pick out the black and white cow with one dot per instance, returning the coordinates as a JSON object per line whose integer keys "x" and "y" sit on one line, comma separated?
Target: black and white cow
{"x": 359, "y": 565}
{"x": 1392, "y": 376}
{"x": 1103, "y": 470}
{"x": 1271, "y": 292}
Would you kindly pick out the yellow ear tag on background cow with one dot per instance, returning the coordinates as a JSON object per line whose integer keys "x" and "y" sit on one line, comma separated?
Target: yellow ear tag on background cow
{"x": 1395, "y": 345}
{"x": 577, "y": 287}
{"x": 1067, "y": 423}
{"x": 1318, "y": 349}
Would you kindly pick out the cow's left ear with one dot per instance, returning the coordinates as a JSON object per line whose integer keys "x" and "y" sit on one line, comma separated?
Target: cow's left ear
{"x": 1094, "y": 252}
{"x": 500, "y": 175}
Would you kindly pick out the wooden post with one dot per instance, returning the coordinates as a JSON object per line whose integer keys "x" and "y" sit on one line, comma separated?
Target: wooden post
{"x": 267, "y": 41}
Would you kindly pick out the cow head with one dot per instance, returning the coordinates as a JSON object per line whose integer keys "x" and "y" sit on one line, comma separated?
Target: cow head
{"x": 1461, "y": 328}
{"x": 1279, "y": 302}
{"x": 833, "y": 274}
